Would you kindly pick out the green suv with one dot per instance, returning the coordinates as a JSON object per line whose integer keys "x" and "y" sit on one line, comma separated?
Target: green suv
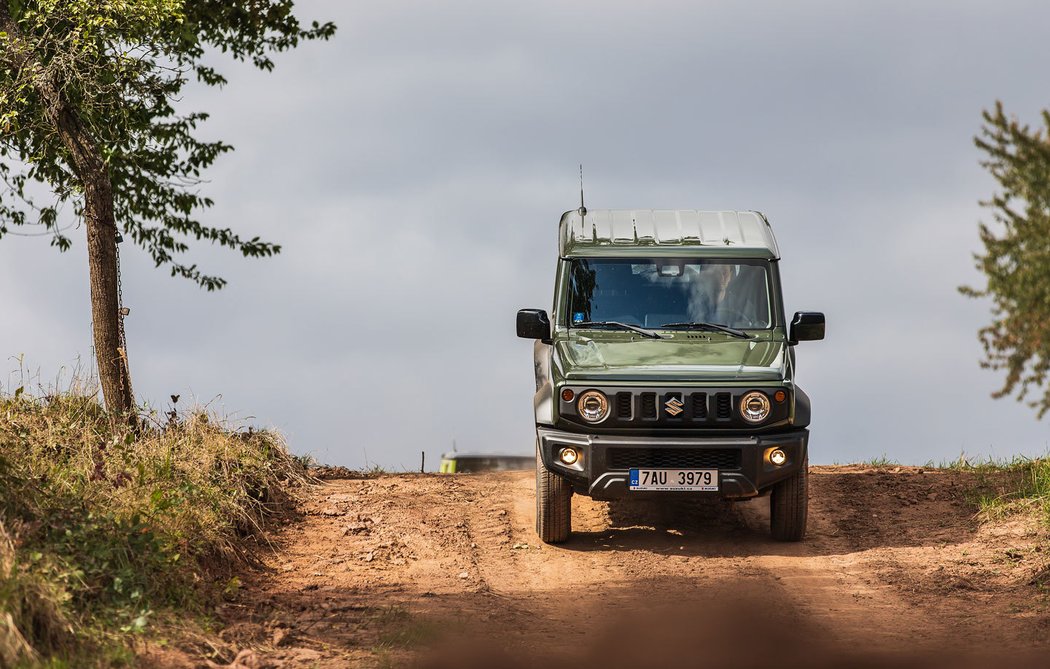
{"x": 667, "y": 368}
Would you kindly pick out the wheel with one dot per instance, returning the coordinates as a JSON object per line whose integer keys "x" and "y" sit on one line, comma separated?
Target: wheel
{"x": 788, "y": 506}
{"x": 553, "y": 504}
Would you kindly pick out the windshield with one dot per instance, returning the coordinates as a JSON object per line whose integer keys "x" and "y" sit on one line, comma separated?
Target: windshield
{"x": 653, "y": 293}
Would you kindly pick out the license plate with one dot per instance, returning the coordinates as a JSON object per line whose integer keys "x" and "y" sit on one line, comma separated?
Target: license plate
{"x": 674, "y": 479}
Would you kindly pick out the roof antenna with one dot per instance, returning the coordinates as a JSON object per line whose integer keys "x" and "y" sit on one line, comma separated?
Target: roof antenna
{"x": 582, "y": 209}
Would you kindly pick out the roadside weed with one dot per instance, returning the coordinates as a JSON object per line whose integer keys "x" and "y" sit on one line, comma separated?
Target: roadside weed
{"x": 881, "y": 461}
{"x": 1004, "y": 487}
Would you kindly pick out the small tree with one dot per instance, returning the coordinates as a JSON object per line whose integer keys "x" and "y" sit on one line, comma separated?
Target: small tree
{"x": 87, "y": 120}
{"x": 1016, "y": 260}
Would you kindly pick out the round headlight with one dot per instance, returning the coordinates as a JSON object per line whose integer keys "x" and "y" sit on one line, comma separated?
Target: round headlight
{"x": 754, "y": 407}
{"x": 593, "y": 406}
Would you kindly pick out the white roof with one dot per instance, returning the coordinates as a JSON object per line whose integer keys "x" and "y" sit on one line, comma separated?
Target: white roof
{"x": 609, "y": 231}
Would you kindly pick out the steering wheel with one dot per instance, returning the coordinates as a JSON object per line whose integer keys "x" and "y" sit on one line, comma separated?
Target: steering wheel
{"x": 734, "y": 317}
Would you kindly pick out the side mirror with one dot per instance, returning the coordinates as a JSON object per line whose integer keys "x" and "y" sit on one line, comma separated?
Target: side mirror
{"x": 806, "y": 326}
{"x": 534, "y": 324}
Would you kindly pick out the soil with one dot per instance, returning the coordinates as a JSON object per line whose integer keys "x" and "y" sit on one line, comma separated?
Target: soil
{"x": 447, "y": 571}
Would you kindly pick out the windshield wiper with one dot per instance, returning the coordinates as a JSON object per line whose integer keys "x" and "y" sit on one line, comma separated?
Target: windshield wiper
{"x": 709, "y": 327}
{"x": 620, "y": 326}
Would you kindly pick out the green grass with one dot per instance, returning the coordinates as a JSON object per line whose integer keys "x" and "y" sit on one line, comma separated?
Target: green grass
{"x": 1006, "y": 487}
{"x": 104, "y": 530}
{"x": 881, "y": 461}
{"x": 965, "y": 463}
{"x": 1029, "y": 490}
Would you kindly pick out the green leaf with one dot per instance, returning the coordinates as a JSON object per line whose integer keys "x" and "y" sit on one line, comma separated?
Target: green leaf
{"x": 1016, "y": 258}
{"x": 126, "y": 101}
{"x": 140, "y": 623}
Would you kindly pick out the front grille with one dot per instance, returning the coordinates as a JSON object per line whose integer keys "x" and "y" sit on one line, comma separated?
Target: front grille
{"x": 725, "y": 406}
{"x": 648, "y": 405}
{"x": 673, "y": 458}
{"x": 692, "y": 408}
{"x": 700, "y": 406}
{"x": 623, "y": 405}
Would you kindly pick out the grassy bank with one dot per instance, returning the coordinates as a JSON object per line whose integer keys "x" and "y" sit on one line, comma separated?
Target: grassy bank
{"x": 1002, "y": 487}
{"x": 107, "y": 533}
{"x": 1023, "y": 486}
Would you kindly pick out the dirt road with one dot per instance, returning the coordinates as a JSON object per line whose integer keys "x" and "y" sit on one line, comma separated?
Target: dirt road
{"x": 380, "y": 571}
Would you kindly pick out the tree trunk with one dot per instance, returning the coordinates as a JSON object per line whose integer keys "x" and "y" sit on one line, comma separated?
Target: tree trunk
{"x": 102, "y": 260}
{"x": 86, "y": 161}
{"x": 105, "y": 305}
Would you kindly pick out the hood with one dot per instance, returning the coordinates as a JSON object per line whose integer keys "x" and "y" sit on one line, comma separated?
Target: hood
{"x": 681, "y": 356}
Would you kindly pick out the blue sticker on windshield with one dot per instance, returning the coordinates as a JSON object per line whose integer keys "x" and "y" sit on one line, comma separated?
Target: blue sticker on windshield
{"x": 577, "y": 317}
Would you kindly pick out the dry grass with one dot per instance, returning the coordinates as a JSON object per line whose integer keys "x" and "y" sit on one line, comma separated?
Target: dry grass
{"x": 102, "y": 529}
{"x": 1027, "y": 491}
{"x": 1008, "y": 487}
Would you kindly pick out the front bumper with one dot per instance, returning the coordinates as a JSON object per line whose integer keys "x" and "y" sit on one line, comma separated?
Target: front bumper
{"x": 743, "y": 469}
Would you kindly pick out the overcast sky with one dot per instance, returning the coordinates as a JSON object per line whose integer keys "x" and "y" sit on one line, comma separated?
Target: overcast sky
{"x": 415, "y": 167}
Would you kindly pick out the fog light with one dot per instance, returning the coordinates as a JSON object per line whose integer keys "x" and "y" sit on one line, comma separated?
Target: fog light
{"x": 778, "y": 457}
{"x": 568, "y": 455}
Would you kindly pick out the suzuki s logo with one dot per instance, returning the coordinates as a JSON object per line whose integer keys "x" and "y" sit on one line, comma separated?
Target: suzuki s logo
{"x": 674, "y": 406}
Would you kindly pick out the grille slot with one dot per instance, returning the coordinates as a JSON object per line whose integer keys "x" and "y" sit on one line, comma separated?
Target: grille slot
{"x": 724, "y": 406}
{"x": 675, "y": 458}
{"x": 648, "y": 405}
{"x": 623, "y": 405}
{"x": 700, "y": 406}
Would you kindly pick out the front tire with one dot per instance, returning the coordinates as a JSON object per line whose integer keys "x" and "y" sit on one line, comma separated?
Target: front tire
{"x": 789, "y": 506}
{"x": 553, "y": 504}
